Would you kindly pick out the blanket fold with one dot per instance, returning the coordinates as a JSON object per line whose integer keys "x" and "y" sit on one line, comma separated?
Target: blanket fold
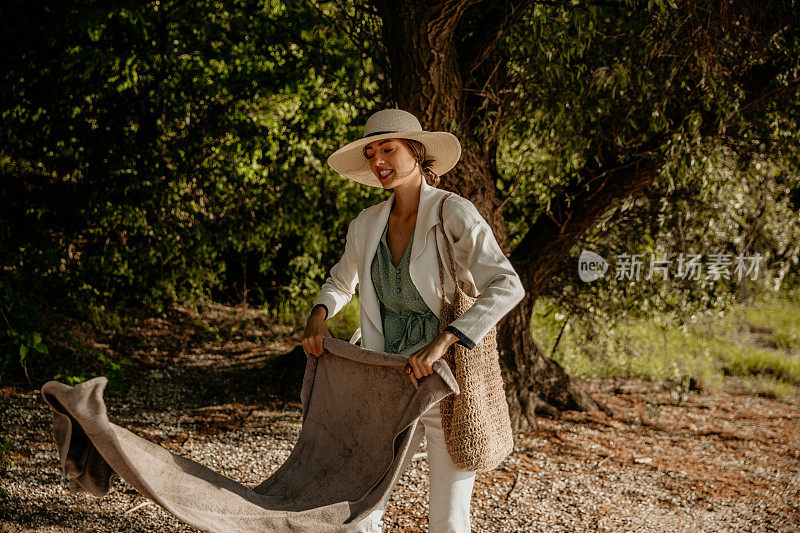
{"x": 360, "y": 411}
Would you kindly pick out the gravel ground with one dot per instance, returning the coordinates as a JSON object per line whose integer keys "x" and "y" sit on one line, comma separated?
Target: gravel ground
{"x": 721, "y": 461}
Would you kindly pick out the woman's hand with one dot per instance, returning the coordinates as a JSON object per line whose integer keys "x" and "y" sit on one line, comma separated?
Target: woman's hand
{"x": 420, "y": 363}
{"x": 315, "y": 331}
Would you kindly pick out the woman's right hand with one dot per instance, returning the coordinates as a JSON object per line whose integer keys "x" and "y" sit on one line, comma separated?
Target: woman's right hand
{"x": 315, "y": 331}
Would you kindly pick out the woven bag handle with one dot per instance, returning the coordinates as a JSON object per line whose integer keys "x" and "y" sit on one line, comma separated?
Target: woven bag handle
{"x": 449, "y": 248}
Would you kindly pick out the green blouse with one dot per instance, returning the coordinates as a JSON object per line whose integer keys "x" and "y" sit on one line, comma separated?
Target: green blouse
{"x": 408, "y": 323}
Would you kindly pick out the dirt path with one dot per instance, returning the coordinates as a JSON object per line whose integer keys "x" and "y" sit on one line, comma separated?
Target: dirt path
{"x": 716, "y": 462}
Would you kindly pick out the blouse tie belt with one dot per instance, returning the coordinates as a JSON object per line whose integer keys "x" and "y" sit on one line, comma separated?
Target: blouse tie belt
{"x": 414, "y": 329}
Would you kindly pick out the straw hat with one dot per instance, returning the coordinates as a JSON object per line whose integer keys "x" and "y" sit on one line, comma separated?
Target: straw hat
{"x": 349, "y": 160}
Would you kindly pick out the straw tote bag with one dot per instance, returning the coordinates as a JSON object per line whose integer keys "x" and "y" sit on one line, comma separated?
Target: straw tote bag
{"x": 476, "y": 424}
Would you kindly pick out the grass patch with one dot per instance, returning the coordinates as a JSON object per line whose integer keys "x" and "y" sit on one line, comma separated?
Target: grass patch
{"x": 756, "y": 342}
{"x": 748, "y": 360}
{"x": 769, "y": 388}
{"x": 773, "y": 321}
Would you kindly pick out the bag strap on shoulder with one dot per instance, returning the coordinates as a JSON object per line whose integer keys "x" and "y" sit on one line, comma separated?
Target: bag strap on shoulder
{"x": 449, "y": 248}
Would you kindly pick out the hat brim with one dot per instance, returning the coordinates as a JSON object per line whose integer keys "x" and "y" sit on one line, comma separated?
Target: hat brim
{"x": 349, "y": 160}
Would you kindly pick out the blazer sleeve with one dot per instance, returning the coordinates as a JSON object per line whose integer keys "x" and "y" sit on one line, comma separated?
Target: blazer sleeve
{"x": 340, "y": 285}
{"x": 476, "y": 250}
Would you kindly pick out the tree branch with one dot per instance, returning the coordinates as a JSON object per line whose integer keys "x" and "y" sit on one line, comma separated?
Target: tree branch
{"x": 484, "y": 25}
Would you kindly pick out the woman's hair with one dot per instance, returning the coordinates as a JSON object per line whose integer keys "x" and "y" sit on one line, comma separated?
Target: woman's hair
{"x": 425, "y": 162}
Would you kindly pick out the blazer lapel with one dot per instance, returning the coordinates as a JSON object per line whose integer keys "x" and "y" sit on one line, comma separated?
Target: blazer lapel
{"x": 424, "y": 268}
{"x": 372, "y": 237}
{"x": 427, "y": 216}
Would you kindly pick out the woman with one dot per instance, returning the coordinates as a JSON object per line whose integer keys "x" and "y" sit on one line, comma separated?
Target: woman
{"x": 393, "y": 246}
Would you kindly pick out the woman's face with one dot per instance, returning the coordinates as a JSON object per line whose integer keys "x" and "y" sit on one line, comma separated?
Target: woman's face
{"x": 392, "y": 161}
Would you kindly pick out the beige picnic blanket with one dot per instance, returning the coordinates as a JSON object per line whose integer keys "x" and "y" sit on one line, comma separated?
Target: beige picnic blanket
{"x": 360, "y": 411}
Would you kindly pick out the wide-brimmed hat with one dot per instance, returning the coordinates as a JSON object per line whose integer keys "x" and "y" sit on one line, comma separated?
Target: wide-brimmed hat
{"x": 349, "y": 160}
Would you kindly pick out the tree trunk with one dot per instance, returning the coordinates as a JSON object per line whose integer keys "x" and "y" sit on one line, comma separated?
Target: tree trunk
{"x": 426, "y": 74}
{"x": 535, "y": 384}
{"x": 443, "y": 67}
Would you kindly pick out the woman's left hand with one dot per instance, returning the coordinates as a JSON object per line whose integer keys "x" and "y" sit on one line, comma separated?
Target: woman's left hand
{"x": 420, "y": 363}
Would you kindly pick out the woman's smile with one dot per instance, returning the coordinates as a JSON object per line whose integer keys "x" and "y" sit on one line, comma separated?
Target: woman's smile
{"x": 392, "y": 162}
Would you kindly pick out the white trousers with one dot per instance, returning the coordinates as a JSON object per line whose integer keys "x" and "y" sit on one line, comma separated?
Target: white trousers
{"x": 450, "y": 487}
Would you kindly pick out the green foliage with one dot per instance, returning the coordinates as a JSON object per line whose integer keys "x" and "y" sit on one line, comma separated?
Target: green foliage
{"x": 167, "y": 151}
{"x": 26, "y": 341}
{"x": 736, "y": 211}
{"x": 103, "y": 365}
{"x": 603, "y": 85}
{"x": 666, "y": 86}
{"x": 21, "y": 335}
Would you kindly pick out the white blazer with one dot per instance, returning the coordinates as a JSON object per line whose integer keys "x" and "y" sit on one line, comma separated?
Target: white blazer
{"x": 482, "y": 267}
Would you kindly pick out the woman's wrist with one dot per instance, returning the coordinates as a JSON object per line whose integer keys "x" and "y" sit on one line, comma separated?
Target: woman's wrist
{"x": 319, "y": 311}
{"x": 448, "y": 339}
